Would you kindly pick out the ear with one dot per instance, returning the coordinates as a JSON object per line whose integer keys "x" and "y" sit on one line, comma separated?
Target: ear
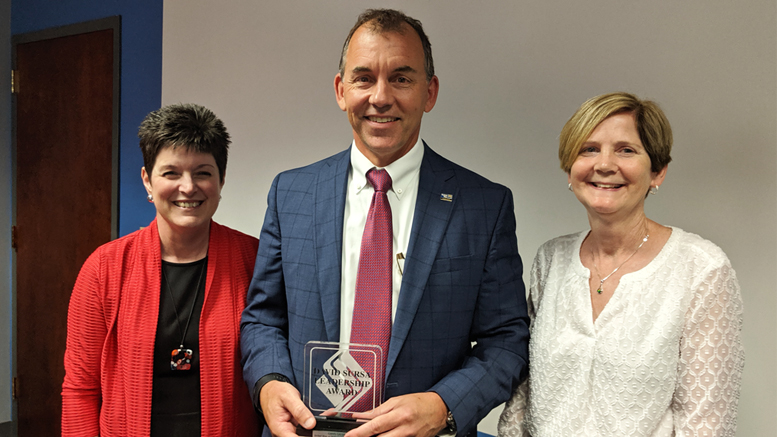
{"x": 145, "y": 178}
{"x": 658, "y": 178}
{"x": 340, "y": 91}
{"x": 223, "y": 180}
{"x": 431, "y": 93}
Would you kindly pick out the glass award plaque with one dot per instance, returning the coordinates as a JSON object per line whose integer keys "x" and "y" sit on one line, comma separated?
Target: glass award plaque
{"x": 340, "y": 379}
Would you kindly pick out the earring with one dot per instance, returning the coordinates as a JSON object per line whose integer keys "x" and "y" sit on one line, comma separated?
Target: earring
{"x": 569, "y": 187}
{"x": 150, "y": 198}
{"x": 653, "y": 190}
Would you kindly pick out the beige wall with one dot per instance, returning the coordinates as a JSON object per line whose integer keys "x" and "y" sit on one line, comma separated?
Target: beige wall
{"x": 511, "y": 73}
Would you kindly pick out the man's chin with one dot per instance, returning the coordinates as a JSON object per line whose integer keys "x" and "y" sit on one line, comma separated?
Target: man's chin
{"x": 383, "y": 149}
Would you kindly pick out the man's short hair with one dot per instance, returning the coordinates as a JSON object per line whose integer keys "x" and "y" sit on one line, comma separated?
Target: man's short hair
{"x": 193, "y": 127}
{"x": 390, "y": 20}
{"x": 652, "y": 125}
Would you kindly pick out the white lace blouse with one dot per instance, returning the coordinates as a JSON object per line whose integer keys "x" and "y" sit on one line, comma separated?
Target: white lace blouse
{"x": 664, "y": 357}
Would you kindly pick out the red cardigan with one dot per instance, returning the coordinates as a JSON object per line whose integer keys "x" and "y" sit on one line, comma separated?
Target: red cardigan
{"x": 111, "y": 329}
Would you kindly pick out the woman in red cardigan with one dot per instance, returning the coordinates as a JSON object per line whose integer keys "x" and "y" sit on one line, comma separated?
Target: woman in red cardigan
{"x": 154, "y": 319}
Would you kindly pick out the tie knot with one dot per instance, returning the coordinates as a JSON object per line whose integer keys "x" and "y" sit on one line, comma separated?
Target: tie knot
{"x": 379, "y": 179}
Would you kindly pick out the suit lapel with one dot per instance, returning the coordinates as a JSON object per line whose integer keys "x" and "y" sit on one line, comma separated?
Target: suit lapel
{"x": 430, "y": 221}
{"x": 329, "y": 197}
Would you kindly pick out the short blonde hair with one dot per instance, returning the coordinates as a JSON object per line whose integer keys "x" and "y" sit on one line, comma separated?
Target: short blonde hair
{"x": 653, "y": 127}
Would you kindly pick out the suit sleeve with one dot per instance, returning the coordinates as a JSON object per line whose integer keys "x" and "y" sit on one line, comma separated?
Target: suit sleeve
{"x": 86, "y": 333}
{"x": 264, "y": 324}
{"x": 500, "y": 331}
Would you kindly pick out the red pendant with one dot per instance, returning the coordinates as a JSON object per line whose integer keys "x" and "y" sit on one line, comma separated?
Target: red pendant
{"x": 181, "y": 359}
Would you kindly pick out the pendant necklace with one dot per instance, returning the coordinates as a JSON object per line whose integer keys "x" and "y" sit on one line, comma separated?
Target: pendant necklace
{"x": 181, "y": 358}
{"x": 601, "y": 281}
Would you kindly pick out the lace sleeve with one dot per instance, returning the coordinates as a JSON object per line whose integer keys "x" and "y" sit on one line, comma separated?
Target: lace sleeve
{"x": 711, "y": 358}
{"x": 511, "y": 421}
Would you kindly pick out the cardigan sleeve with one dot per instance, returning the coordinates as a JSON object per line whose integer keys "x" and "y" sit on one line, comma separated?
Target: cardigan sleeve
{"x": 86, "y": 334}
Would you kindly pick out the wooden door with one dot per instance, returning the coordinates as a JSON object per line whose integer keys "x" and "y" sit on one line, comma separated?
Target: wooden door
{"x": 64, "y": 184}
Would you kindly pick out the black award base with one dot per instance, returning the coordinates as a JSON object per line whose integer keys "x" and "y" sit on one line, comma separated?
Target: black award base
{"x": 330, "y": 427}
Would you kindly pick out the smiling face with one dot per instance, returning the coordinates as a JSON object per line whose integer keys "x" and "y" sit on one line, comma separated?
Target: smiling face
{"x": 385, "y": 93}
{"x": 186, "y": 190}
{"x": 611, "y": 174}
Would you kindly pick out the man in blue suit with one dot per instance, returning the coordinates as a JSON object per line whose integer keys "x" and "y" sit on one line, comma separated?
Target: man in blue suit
{"x": 459, "y": 327}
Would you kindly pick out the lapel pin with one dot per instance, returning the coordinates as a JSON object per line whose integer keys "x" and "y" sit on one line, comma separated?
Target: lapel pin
{"x": 446, "y": 197}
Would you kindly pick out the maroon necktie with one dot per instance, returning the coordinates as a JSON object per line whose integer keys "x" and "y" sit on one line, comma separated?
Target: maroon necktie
{"x": 372, "y": 307}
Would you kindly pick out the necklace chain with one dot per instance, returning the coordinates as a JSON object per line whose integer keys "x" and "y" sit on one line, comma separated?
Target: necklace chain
{"x": 191, "y": 311}
{"x": 601, "y": 281}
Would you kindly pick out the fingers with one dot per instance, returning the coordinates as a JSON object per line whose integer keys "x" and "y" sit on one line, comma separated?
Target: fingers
{"x": 417, "y": 414}
{"x": 380, "y": 410}
{"x": 283, "y": 409}
{"x": 283, "y": 429}
{"x": 329, "y": 412}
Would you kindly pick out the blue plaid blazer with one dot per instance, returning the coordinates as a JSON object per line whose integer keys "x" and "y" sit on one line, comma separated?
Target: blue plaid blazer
{"x": 461, "y": 326}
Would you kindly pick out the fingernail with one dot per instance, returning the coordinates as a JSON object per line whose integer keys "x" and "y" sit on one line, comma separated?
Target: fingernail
{"x": 310, "y": 423}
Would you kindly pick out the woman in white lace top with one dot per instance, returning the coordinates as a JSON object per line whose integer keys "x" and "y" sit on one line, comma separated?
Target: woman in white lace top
{"x": 635, "y": 326}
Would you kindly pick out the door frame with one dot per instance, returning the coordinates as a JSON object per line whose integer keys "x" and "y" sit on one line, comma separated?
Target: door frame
{"x": 114, "y": 23}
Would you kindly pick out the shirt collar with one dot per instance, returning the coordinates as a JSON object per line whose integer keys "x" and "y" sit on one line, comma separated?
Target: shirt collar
{"x": 402, "y": 171}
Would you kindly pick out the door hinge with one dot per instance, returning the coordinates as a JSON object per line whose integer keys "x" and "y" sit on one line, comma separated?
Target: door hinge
{"x": 14, "y": 238}
{"x": 14, "y": 82}
{"x": 15, "y": 388}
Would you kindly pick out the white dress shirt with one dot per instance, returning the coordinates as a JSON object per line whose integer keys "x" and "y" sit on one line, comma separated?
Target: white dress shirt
{"x": 404, "y": 174}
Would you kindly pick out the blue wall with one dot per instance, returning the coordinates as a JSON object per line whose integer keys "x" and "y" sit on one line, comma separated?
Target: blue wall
{"x": 141, "y": 78}
{"x": 141, "y": 92}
